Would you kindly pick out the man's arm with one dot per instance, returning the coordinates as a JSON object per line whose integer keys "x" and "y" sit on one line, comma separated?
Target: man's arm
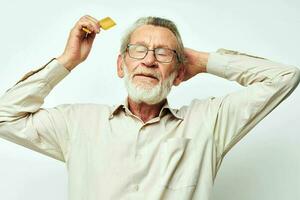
{"x": 231, "y": 117}
{"x": 23, "y": 121}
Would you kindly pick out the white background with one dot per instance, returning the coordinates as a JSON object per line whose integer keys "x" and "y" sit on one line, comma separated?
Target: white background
{"x": 264, "y": 165}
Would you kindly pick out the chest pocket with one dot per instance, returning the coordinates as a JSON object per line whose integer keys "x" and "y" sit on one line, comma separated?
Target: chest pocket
{"x": 177, "y": 164}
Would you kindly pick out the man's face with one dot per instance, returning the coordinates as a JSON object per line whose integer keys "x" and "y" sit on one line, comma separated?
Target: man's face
{"x": 148, "y": 80}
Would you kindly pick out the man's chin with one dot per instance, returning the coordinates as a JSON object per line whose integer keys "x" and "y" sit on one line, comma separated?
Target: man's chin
{"x": 147, "y": 94}
{"x": 144, "y": 85}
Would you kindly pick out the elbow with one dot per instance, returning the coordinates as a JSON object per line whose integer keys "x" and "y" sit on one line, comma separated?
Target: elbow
{"x": 295, "y": 79}
{"x": 292, "y": 80}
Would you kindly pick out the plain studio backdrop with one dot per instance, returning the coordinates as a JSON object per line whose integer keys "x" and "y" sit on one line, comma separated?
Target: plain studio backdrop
{"x": 264, "y": 165}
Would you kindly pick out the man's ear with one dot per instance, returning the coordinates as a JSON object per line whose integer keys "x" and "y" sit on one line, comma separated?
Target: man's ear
{"x": 180, "y": 75}
{"x": 119, "y": 66}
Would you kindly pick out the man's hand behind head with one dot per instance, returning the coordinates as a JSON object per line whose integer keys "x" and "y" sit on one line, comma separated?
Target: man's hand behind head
{"x": 196, "y": 62}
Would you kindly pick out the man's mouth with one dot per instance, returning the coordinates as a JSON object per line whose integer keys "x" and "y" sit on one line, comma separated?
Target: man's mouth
{"x": 147, "y": 75}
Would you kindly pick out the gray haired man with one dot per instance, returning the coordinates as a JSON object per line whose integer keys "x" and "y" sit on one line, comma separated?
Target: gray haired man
{"x": 142, "y": 149}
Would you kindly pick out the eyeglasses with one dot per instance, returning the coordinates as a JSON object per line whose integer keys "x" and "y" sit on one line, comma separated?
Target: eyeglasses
{"x": 163, "y": 55}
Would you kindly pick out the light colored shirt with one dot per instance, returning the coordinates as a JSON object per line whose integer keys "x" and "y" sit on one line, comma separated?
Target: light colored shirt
{"x": 110, "y": 154}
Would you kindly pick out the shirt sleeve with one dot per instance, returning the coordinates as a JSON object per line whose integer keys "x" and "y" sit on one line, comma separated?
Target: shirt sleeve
{"x": 267, "y": 84}
{"x": 24, "y": 122}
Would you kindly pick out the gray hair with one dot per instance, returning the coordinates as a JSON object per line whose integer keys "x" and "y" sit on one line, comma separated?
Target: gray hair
{"x": 155, "y": 21}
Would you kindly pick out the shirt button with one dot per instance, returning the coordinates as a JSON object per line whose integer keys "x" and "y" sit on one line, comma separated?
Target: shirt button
{"x": 135, "y": 187}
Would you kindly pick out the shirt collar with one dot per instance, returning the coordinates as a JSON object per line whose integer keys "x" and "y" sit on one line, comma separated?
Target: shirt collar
{"x": 124, "y": 106}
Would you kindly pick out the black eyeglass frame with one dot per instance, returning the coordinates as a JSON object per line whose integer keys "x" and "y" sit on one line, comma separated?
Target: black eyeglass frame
{"x": 129, "y": 45}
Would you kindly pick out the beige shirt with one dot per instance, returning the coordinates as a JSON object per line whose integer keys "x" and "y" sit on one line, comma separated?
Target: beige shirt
{"x": 111, "y": 154}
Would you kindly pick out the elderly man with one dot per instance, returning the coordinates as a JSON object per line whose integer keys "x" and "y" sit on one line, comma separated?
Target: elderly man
{"x": 142, "y": 148}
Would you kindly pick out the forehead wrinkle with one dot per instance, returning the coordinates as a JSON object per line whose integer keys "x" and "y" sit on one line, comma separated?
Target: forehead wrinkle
{"x": 159, "y": 45}
{"x": 149, "y": 34}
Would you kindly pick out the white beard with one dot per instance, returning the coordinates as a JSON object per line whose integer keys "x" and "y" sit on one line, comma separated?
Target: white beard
{"x": 147, "y": 93}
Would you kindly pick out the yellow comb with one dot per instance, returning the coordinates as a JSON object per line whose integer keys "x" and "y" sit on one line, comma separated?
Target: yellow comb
{"x": 105, "y": 23}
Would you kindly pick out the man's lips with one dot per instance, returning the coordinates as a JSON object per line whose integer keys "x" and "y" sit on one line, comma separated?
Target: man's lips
{"x": 146, "y": 75}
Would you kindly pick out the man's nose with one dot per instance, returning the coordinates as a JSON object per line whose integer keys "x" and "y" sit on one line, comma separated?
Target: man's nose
{"x": 150, "y": 59}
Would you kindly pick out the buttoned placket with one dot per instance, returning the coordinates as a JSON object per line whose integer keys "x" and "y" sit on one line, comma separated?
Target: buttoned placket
{"x": 136, "y": 156}
{"x": 139, "y": 150}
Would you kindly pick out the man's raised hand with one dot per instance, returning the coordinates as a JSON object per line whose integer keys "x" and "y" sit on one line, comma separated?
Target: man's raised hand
{"x": 79, "y": 43}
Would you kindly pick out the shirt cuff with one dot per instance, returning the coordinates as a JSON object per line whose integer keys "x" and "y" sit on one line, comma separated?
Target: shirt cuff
{"x": 217, "y": 64}
{"x": 54, "y": 72}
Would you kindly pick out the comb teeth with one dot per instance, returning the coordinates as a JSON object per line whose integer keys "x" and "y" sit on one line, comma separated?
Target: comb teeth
{"x": 107, "y": 23}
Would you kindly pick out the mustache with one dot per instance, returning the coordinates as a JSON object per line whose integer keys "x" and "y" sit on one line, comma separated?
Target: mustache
{"x": 146, "y": 72}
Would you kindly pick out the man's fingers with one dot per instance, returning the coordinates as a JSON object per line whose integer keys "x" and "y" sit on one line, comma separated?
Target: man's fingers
{"x": 94, "y": 21}
{"x": 92, "y": 18}
{"x": 89, "y": 23}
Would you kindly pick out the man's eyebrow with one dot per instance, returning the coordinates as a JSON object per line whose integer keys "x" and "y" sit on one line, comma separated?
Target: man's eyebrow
{"x": 163, "y": 46}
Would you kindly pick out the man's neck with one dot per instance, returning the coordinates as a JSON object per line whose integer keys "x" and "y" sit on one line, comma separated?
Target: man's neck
{"x": 145, "y": 111}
